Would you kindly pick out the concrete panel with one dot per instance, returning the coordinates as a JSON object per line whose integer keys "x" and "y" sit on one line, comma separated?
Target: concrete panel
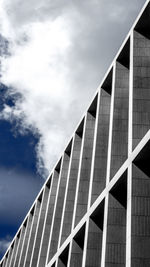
{"x": 20, "y": 242}
{"x": 8, "y": 257}
{"x": 94, "y": 245}
{"x": 85, "y": 169}
{"x": 22, "y": 256}
{"x": 59, "y": 207}
{"x": 100, "y": 164}
{"x": 76, "y": 255}
{"x": 4, "y": 262}
{"x": 60, "y": 263}
{"x": 141, "y": 87}
{"x": 67, "y": 223}
{"x": 32, "y": 235}
{"x": 39, "y": 228}
{"x": 119, "y": 150}
{"x": 48, "y": 221}
{"x": 14, "y": 252}
{"x": 140, "y": 239}
{"x": 116, "y": 234}
{"x": 63, "y": 258}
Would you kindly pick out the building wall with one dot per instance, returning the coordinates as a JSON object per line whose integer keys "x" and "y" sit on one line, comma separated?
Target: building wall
{"x": 94, "y": 208}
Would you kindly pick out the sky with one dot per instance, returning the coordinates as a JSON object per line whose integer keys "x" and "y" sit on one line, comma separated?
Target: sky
{"x": 53, "y": 55}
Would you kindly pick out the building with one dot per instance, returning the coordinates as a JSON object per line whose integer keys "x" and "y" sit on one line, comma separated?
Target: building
{"x": 94, "y": 209}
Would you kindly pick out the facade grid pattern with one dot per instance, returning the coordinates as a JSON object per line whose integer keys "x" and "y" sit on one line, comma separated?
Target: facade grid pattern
{"x": 94, "y": 208}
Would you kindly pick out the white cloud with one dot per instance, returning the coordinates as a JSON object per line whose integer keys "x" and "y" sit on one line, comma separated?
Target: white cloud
{"x": 4, "y": 244}
{"x": 59, "y": 52}
{"x": 37, "y": 70}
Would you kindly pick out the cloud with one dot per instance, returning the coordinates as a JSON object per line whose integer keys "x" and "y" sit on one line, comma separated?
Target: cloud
{"x": 37, "y": 71}
{"x": 59, "y": 52}
{"x": 4, "y": 244}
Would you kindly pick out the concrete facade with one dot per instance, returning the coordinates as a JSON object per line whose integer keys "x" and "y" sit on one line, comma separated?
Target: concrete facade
{"x": 94, "y": 208}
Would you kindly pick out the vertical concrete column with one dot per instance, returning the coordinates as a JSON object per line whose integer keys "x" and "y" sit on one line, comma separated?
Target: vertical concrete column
{"x": 70, "y": 199}
{"x": 97, "y": 107}
{"x": 119, "y": 151}
{"x": 13, "y": 252}
{"x": 111, "y": 90}
{"x": 4, "y": 262}
{"x": 130, "y": 144}
{"x": 128, "y": 220}
{"x": 17, "y": 240}
{"x": 69, "y": 254}
{"x": 69, "y": 152}
{"x": 141, "y": 85}
{"x": 140, "y": 222}
{"x": 25, "y": 226}
{"x": 72, "y": 245}
{"x": 88, "y": 230}
{"x": 100, "y": 163}
{"x": 24, "y": 246}
{"x": 39, "y": 228}
{"x": 116, "y": 234}
{"x": 58, "y": 210}
{"x": 9, "y": 256}
{"x": 84, "y": 181}
{"x": 48, "y": 221}
{"x": 32, "y": 234}
{"x": 16, "y": 261}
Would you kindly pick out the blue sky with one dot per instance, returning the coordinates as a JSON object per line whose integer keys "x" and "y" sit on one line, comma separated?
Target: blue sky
{"x": 53, "y": 56}
{"x": 19, "y": 181}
